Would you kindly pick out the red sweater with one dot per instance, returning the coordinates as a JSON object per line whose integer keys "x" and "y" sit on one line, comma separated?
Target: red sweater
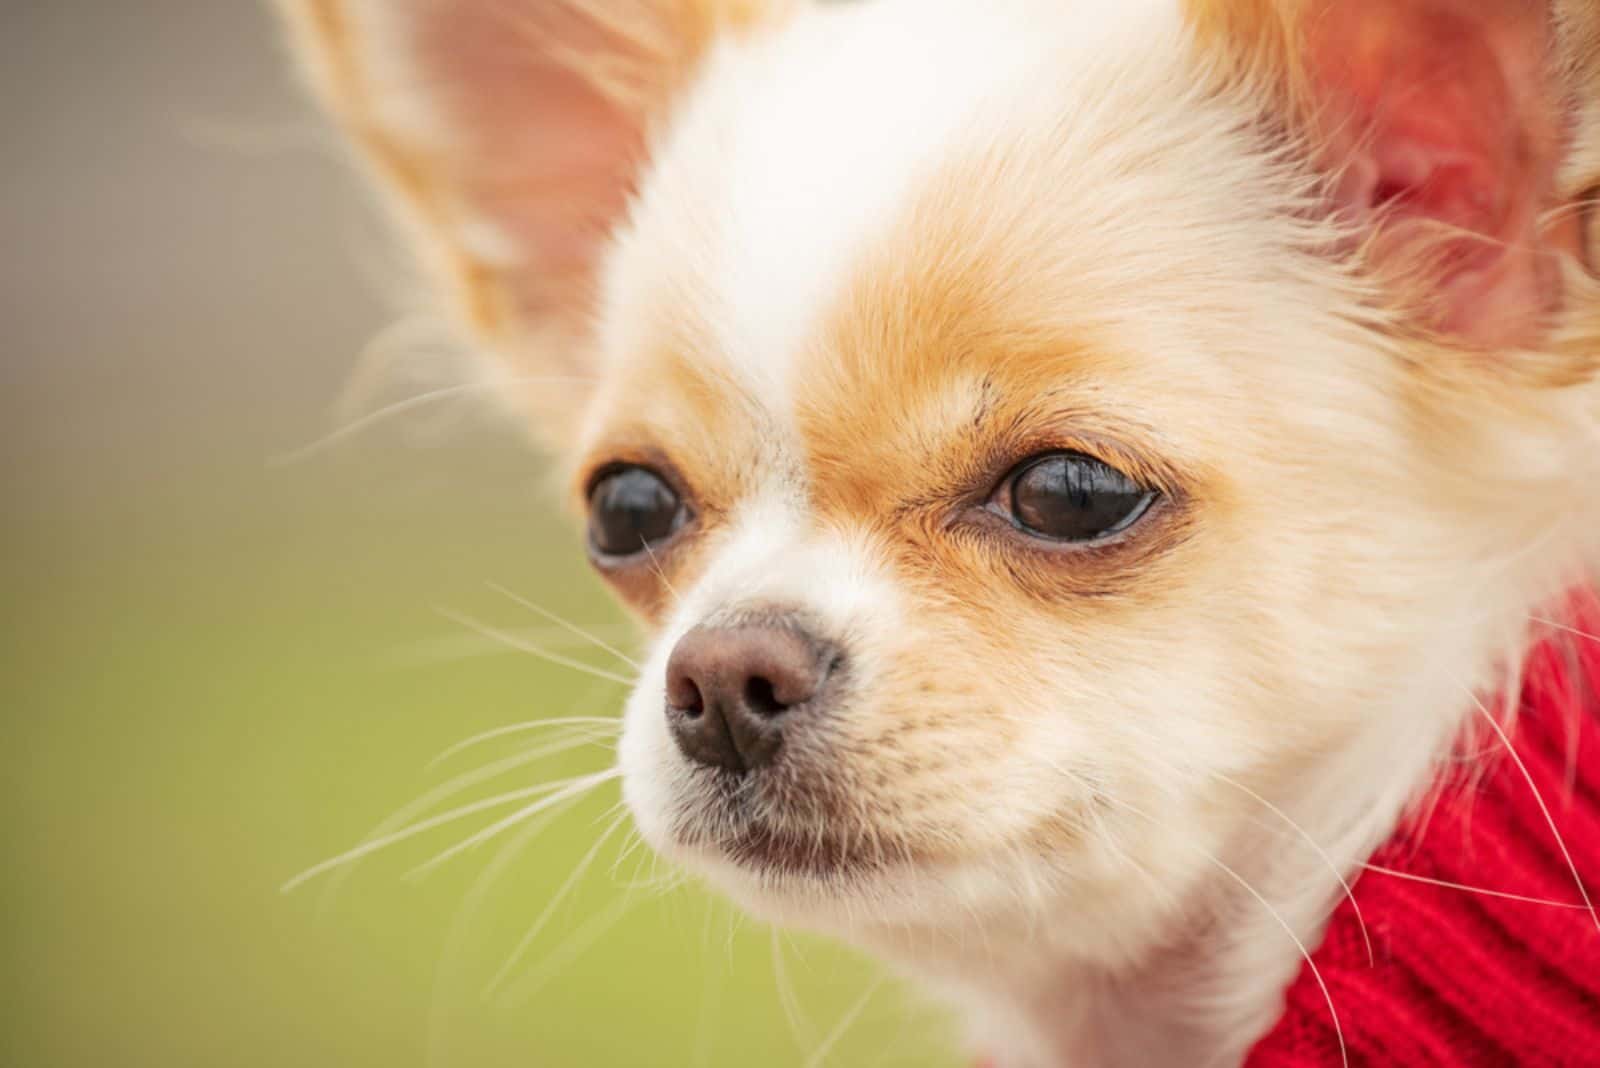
{"x": 1464, "y": 978}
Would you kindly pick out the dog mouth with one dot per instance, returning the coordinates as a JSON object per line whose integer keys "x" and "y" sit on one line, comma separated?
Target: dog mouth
{"x": 810, "y": 843}
{"x": 783, "y": 854}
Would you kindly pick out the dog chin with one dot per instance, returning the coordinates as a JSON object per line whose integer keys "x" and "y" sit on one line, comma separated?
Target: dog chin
{"x": 785, "y": 875}
{"x": 814, "y": 881}
{"x": 821, "y": 885}
{"x": 845, "y": 900}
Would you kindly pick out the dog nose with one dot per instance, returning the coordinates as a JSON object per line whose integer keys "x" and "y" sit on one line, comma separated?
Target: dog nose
{"x": 731, "y": 690}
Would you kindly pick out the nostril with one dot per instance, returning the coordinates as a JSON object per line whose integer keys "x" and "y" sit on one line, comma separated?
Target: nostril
{"x": 762, "y": 697}
{"x": 684, "y": 693}
{"x": 731, "y": 690}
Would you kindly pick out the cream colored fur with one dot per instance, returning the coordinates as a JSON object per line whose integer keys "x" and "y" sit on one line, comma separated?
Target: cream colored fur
{"x": 1112, "y": 823}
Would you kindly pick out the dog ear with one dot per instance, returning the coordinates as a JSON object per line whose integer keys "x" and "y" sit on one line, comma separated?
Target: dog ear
{"x": 510, "y": 134}
{"x": 1446, "y": 132}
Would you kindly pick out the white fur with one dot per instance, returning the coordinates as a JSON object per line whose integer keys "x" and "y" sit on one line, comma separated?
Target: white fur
{"x": 794, "y": 156}
{"x": 1231, "y": 752}
{"x": 806, "y": 143}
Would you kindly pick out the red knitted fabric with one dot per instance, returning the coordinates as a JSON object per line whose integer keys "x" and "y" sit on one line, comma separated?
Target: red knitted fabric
{"x": 1463, "y": 978}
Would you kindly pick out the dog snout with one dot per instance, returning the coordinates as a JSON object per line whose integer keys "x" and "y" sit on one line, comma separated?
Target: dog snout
{"x": 732, "y": 691}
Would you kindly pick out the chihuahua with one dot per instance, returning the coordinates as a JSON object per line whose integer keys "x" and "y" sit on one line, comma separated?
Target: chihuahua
{"x": 1037, "y": 434}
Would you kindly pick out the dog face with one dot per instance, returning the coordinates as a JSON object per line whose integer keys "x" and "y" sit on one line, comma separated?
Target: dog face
{"x": 1014, "y": 421}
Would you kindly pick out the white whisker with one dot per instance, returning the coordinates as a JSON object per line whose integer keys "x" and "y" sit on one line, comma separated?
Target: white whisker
{"x": 1288, "y": 929}
{"x": 1394, "y": 873}
{"x": 443, "y": 792}
{"x": 799, "y": 1027}
{"x": 368, "y": 848}
{"x": 1565, "y": 628}
{"x": 455, "y": 648}
{"x": 636, "y": 845}
{"x": 573, "y": 789}
{"x": 545, "y": 613}
{"x": 710, "y": 1002}
{"x": 538, "y": 925}
{"x": 576, "y": 944}
{"x": 1344, "y": 883}
{"x": 1316, "y": 973}
{"x": 660, "y": 574}
{"x": 399, "y": 408}
{"x": 598, "y": 726}
{"x": 1561, "y": 843}
{"x": 819, "y": 1056}
{"x": 533, "y": 650}
{"x": 451, "y": 968}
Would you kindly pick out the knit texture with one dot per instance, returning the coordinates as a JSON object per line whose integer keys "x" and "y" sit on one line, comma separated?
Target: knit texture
{"x": 1463, "y": 978}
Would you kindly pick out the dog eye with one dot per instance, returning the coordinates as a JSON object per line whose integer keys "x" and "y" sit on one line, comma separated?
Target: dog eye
{"x": 1073, "y": 498}
{"x": 631, "y": 508}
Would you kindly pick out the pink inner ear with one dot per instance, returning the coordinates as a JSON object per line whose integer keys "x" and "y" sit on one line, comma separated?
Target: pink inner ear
{"x": 541, "y": 156}
{"x": 1440, "y": 117}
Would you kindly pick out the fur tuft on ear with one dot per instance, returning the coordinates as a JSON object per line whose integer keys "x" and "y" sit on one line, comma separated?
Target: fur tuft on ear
{"x": 1450, "y": 134}
{"x": 511, "y": 134}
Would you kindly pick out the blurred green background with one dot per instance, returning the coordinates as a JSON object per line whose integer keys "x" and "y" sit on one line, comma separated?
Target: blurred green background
{"x": 218, "y": 670}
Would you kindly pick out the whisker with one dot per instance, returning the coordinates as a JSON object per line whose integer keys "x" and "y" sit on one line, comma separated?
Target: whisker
{"x": 1566, "y": 628}
{"x": 637, "y": 844}
{"x": 574, "y": 788}
{"x": 655, "y": 564}
{"x": 1395, "y": 873}
{"x": 458, "y": 647}
{"x": 545, "y": 613}
{"x": 576, "y": 944}
{"x": 399, "y": 408}
{"x": 710, "y": 1003}
{"x": 598, "y": 726}
{"x": 555, "y": 901}
{"x": 443, "y": 792}
{"x": 1561, "y": 842}
{"x": 450, "y": 970}
{"x": 368, "y": 848}
{"x": 799, "y": 1027}
{"x": 1260, "y": 898}
{"x": 533, "y": 650}
{"x": 656, "y": 882}
{"x": 1344, "y": 883}
{"x": 819, "y": 1056}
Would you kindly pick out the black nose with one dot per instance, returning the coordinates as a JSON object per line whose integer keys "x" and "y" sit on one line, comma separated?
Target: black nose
{"x": 731, "y": 690}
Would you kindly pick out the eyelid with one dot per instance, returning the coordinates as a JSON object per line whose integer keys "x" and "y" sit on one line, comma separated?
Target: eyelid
{"x": 1028, "y": 463}
{"x": 1004, "y": 493}
{"x": 603, "y": 463}
{"x": 1118, "y": 460}
{"x": 1149, "y": 466}
{"x": 610, "y": 470}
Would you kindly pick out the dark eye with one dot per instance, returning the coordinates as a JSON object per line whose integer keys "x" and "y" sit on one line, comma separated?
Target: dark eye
{"x": 1073, "y": 498}
{"x": 631, "y": 508}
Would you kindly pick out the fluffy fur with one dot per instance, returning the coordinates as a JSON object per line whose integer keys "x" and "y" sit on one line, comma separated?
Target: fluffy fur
{"x": 838, "y": 267}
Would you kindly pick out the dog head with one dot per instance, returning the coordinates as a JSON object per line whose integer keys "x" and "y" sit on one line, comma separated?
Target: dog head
{"x": 1015, "y": 420}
